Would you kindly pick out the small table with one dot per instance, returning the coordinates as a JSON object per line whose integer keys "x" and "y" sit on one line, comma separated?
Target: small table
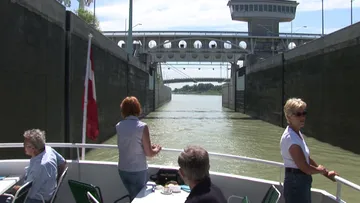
{"x": 147, "y": 195}
{"x": 7, "y": 183}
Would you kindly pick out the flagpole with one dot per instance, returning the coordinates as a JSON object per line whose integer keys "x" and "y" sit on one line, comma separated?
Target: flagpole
{"x": 129, "y": 37}
{"x": 86, "y": 82}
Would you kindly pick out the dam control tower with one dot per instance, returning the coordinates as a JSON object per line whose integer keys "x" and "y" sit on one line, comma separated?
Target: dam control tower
{"x": 263, "y": 16}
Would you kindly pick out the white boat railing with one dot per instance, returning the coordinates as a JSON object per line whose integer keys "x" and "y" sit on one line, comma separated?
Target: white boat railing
{"x": 340, "y": 181}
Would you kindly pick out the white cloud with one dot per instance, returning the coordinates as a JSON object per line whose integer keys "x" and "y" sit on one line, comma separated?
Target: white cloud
{"x": 169, "y": 14}
{"x": 315, "y": 5}
{"x": 196, "y": 14}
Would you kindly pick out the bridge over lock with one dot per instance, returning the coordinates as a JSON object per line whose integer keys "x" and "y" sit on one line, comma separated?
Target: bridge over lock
{"x": 195, "y": 80}
{"x": 214, "y": 46}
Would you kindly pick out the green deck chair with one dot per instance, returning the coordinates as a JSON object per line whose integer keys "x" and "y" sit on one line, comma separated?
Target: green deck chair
{"x": 80, "y": 189}
{"x": 272, "y": 195}
{"x": 243, "y": 199}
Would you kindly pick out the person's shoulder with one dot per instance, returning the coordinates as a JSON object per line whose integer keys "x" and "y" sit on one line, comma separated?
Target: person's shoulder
{"x": 286, "y": 136}
{"x": 289, "y": 135}
{"x": 141, "y": 124}
{"x": 118, "y": 123}
{"x": 50, "y": 150}
{"x": 214, "y": 195}
{"x": 217, "y": 195}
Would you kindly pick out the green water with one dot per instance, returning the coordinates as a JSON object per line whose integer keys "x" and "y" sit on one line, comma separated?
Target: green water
{"x": 200, "y": 119}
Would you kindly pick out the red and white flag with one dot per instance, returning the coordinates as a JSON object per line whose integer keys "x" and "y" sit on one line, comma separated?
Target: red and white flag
{"x": 92, "y": 120}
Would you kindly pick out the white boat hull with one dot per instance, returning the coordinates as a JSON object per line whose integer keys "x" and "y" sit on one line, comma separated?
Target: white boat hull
{"x": 105, "y": 175}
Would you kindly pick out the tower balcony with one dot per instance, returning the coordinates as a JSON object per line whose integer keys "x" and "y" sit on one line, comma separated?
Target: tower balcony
{"x": 248, "y": 10}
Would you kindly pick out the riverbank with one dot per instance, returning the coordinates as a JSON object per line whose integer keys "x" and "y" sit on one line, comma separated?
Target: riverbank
{"x": 199, "y": 93}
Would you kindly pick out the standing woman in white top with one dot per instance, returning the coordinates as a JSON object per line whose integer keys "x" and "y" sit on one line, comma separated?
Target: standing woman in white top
{"x": 296, "y": 155}
{"x": 134, "y": 146}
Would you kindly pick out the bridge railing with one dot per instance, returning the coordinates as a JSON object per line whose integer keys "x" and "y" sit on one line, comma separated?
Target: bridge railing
{"x": 210, "y": 33}
{"x": 340, "y": 181}
{"x": 222, "y": 78}
{"x": 180, "y": 80}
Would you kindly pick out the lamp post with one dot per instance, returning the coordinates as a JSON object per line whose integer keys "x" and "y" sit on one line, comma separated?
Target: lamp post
{"x": 129, "y": 38}
{"x": 136, "y": 25}
{"x": 304, "y": 26}
{"x": 94, "y": 13}
{"x": 322, "y": 18}
{"x": 81, "y": 4}
{"x": 128, "y": 30}
{"x": 292, "y": 37}
{"x": 351, "y": 11}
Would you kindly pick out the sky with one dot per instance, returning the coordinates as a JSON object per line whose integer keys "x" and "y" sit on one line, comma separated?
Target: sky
{"x": 212, "y": 15}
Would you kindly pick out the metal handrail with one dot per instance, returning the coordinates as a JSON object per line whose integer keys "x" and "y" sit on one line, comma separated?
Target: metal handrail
{"x": 205, "y": 33}
{"x": 340, "y": 181}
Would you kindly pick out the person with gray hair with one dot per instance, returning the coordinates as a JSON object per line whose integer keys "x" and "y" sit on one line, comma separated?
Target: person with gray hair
{"x": 45, "y": 165}
{"x": 194, "y": 169}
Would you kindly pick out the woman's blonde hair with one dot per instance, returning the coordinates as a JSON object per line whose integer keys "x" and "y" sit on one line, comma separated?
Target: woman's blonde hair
{"x": 292, "y": 105}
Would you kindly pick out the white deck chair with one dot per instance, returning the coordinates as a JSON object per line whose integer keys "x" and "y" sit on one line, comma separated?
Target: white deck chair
{"x": 91, "y": 198}
{"x": 60, "y": 180}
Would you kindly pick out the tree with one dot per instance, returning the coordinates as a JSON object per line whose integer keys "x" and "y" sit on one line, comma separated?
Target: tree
{"x": 88, "y": 17}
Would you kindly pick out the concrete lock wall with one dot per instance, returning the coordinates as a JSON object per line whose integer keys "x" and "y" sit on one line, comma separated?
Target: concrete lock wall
{"x": 43, "y": 70}
{"x": 31, "y": 70}
{"x": 228, "y": 95}
{"x": 162, "y": 92}
{"x": 115, "y": 77}
{"x": 240, "y": 91}
{"x": 225, "y": 95}
{"x": 233, "y": 92}
{"x": 325, "y": 74}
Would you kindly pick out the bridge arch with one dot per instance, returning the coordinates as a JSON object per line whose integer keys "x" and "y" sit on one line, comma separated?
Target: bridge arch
{"x": 201, "y": 38}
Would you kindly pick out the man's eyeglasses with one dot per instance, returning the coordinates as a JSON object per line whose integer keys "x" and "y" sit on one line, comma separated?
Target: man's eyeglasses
{"x": 28, "y": 146}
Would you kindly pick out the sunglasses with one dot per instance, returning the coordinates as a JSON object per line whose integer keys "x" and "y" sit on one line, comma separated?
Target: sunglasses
{"x": 298, "y": 114}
